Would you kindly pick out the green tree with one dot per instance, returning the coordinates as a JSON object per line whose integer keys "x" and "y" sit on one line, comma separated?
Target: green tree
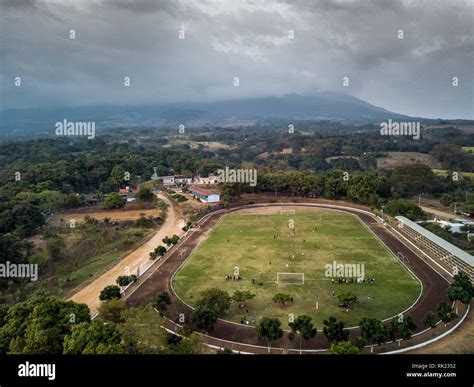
{"x": 229, "y": 192}
{"x": 429, "y": 320}
{"x": 23, "y": 218}
{"x": 162, "y": 300}
{"x": 408, "y": 327}
{"x": 405, "y": 208}
{"x": 124, "y": 280}
{"x": 160, "y": 250}
{"x": 114, "y": 201}
{"x": 109, "y": 293}
{"x": 16, "y": 250}
{"x": 39, "y": 325}
{"x": 269, "y": 329}
{"x": 242, "y": 295}
{"x": 216, "y": 299}
{"x": 71, "y": 201}
{"x": 414, "y": 179}
{"x": 94, "y": 337}
{"x": 446, "y": 312}
{"x": 334, "y": 330}
{"x": 117, "y": 175}
{"x": 111, "y": 310}
{"x": 373, "y": 331}
{"x": 394, "y": 329}
{"x": 46, "y": 200}
{"x": 204, "y": 317}
{"x": 190, "y": 345}
{"x": 304, "y": 327}
{"x": 460, "y": 289}
{"x": 90, "y": 222}
{"x": 145, "y": 194}
{"x": 144, "y": 222}
{"x": 344, "y": 348}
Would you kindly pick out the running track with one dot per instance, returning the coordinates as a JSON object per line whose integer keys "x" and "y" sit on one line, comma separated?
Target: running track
{"x": 243, "y": 336}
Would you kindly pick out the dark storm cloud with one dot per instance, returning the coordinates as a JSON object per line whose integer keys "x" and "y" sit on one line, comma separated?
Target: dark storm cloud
{"x": 245, "y": 39}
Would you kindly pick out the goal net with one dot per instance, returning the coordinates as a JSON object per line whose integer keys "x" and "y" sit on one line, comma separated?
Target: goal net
{"x": 290, "y": 278}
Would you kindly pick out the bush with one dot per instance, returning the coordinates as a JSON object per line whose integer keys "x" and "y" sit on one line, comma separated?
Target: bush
{"x": 124, "y": 280}
{"x": 162, "y": 300}
{"x": 144, "y": 222}
{"x": 110, "y": 292}
{"x": 114, "y": 200}
{"x": 404, "y": 208}
{"x": 145, "y": 195}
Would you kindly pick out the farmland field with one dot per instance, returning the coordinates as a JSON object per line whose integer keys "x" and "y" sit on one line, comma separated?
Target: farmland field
{"x": 262, "y": 245}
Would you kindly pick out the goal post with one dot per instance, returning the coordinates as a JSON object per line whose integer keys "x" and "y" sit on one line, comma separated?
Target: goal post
{"x": 290, "y": 278}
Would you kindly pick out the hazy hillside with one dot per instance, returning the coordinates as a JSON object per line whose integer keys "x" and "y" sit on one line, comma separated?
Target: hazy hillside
{"x": 334, "y": 106}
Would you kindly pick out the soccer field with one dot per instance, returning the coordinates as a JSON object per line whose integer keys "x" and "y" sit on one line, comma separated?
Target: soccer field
{"x": 262, "y": 245}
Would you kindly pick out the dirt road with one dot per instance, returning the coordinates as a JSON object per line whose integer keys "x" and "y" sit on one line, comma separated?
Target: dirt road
{"x": 113, "y": 215}
{"x": 442, "y": 214}
{"x": 138, "y": 259}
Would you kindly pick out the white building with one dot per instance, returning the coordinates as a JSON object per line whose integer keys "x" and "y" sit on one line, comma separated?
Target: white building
{"x": 447, "y": 254}
{"x": 206, "y": 195}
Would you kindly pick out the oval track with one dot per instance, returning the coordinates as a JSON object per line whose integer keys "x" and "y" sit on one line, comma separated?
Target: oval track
{"x": 243, "y": 336}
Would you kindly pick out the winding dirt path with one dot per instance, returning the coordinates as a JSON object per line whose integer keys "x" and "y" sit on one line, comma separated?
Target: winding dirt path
{"x": 138, "y": 259}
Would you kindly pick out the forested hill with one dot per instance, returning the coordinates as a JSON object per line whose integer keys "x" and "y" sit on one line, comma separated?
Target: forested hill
{"x": 322, "y": 106}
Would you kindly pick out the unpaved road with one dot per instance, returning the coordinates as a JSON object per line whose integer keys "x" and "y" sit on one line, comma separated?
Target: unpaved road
{"x": 139, "y": 258}
{"x": 442, "y": 214}
{"x": 113, "y": 215}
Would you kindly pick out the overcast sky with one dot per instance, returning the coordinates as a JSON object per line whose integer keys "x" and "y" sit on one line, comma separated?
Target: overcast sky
{"x": 236, "y": 38}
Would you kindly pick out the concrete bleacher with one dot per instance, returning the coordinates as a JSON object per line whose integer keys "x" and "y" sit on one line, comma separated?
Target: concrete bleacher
{"x": 443, "y": 252}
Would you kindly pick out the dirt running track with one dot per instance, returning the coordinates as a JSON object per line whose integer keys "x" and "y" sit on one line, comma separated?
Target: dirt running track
{"x": 433, "y": 283}
{"x": 137, "y": 259}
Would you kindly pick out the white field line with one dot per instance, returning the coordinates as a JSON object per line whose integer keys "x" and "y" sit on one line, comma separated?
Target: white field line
{"x": 421, "y": 251}
{"x": 403, "y": 265}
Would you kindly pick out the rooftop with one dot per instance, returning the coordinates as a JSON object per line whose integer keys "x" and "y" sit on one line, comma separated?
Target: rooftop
{"x": 449, "y": 247}
{"x": 204, "y": 191}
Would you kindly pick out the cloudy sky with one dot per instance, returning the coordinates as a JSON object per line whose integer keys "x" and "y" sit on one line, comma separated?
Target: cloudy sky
{"x": 274, "y": 47}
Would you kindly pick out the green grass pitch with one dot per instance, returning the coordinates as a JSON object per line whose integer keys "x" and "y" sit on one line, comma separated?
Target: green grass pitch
{"x": 263, "y": 245}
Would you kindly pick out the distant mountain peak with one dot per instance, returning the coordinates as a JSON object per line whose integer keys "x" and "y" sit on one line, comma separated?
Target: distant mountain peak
{"x": 319, "y": 106}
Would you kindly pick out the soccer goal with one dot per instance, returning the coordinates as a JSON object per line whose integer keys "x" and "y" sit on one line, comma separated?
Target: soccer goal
{"x": 290, "y": 278}
{"x": 287, "y": 211}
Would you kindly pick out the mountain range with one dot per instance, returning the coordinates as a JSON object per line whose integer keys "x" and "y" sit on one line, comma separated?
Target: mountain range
{"x": 321, "y": 106}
